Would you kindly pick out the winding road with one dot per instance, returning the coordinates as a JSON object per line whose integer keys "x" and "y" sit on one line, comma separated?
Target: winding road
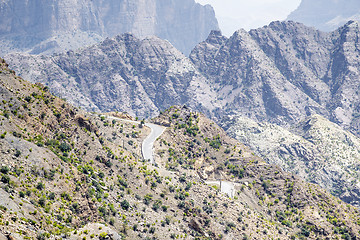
{"x": 148, "y": 143}
{"x": 225, "y": 187}
{"x": 147, "y": 147}
{"x": 147, "y": 150}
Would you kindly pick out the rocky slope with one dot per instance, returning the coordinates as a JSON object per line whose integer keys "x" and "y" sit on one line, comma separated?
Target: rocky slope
{"x": 285, "y": 71}
{"x": 315, "y": 149}
{"x": 326, "y": 15}
{"x": 194, "y": 142}
{"x": 70, "y": 174}
{"x": 141, "y": 77}
{"x": 54, "y": 26}
{"x": 280, "y": 74}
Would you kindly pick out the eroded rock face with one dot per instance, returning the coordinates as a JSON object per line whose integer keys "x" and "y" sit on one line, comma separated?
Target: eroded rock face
{"x": 54, "y": 26}
{"x": 141, "y": 77}
{"x": 326, "y": 15}
{"x": 283, "y": 72}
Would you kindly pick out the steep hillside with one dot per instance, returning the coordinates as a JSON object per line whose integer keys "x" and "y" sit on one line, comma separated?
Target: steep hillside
{"x": 326, "y": 15}
{"x": 285, "y": 71}
{"x": 55, "y": 26}
{"x": 70, "y": 174}
{"x": 193, "y": 142}
{"x": 141, "y": 77}
{"x": 323, "y": 66}
{"x": 316, "y": 149}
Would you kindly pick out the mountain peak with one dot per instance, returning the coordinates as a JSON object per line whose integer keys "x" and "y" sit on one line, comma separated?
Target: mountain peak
{"x": 215, "y": 37}
{"x": 352, "y": 24}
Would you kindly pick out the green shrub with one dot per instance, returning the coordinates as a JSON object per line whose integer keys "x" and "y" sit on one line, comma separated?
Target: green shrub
{"x": 40, "y": 186}
{"x": 216, "y": 142}
{"x": 148, "y": 199}
{"x": 5, "y": 179}
{"x": 4, "y": 169}
{"x": 125, "y": 205}
{"x": 17, "y": 153}
{"x": 42, "y": 202}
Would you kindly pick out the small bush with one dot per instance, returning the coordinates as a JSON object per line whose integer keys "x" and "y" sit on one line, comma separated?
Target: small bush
{"x": 4, "y": 169}
{"x": 125, "y": 205}
{"x": 17, "y": 153}
{"x": 5, "y": 179}
{"x": 40, "y": 186}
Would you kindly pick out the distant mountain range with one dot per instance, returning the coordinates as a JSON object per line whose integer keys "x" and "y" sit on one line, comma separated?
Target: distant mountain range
{"x": 326, "y": 15}
{"x": 280, "y": 73}
{"x": 40, "y": 26}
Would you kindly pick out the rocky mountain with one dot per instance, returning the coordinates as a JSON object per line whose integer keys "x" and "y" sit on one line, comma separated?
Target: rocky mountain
{"x": 285, "y": 71}
{"x": 141, "y": 77}
{"x": 315, "y": 149}
{"x": 326, "y": 15}
{"x": 55, "y": 26}
{"x": 280, "y": 73}
{"x": 70, "y": 174}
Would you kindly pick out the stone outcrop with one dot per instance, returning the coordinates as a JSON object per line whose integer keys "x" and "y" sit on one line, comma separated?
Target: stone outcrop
{"x": 285, "y": 71}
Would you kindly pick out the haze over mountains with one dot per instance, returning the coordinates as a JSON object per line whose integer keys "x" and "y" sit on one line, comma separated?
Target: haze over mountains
{"x": 326, "y": 15}
{"x": 54, "y": 26}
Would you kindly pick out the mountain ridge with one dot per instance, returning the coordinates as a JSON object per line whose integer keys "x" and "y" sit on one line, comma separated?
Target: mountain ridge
{"x": 279, "y": 73}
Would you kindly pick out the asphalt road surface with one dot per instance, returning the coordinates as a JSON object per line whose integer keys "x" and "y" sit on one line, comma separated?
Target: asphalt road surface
{"x": 148, "y": 143}
{"x": 147, "y": 148}
{"x": 226, "y": 187}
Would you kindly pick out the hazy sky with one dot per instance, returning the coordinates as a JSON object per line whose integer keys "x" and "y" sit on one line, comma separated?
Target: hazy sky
{"x": 235, "y": 14}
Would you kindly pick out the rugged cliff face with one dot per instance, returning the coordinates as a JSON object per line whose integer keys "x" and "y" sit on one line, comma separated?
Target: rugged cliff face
{"x": 53, "y": 26}
{"x": 285, "y": 71}
{"x": 326, "y": 15}
{"x": 248, "y": 81}
{"x": 141, "y": 77}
